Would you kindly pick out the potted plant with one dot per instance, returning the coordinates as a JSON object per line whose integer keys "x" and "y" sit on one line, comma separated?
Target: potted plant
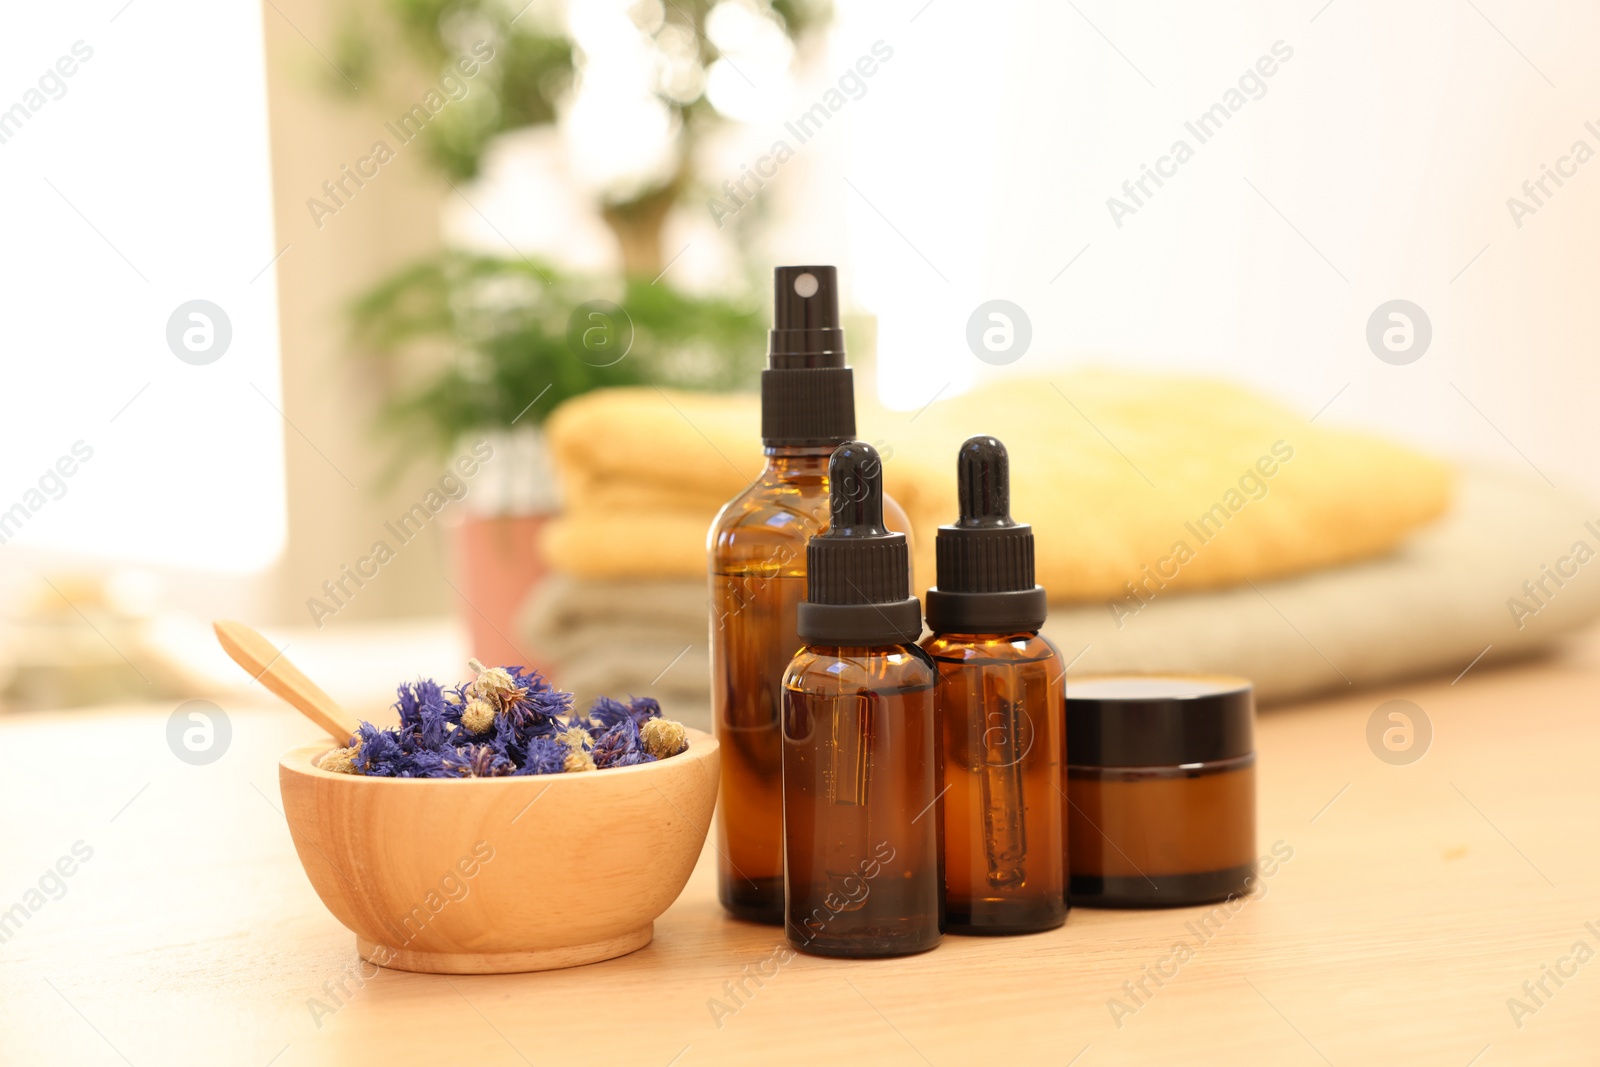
{"x": 486, "y": 347}
{"x": 522, "y": 338}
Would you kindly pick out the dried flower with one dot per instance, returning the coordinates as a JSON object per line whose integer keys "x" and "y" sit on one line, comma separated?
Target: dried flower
{"x": 620, "y": 747}
{"x": 539, "y": 707}
{"x": 606, "y": 713}
{"x": 478, "y": 716}
{"x": 413, "y": 699}
{"x": 505, "y": 721}
{"x": 644, "y": 709}
{"x": 546, "y": 755}
{"x": 446, "y": 762}
{"x": 341, "y": 760}
{"x": 576, "y": 738}
{"x": 494, "y": 684}
{"x": 485, "y": 762}
{"x": 663, "y": 737}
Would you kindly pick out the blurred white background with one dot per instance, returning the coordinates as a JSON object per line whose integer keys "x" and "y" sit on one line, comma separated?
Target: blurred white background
{"x": 975, "y": 163}
{"x": 143, "y": 186}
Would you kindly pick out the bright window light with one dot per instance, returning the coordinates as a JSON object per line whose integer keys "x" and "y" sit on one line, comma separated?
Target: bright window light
{"x": 140, "y": 333}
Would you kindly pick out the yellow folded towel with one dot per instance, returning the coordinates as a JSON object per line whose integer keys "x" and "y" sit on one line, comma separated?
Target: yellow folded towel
{"x": 704, "y": 445}
{"x": 1166, "y": 483}
{"x": 1134, "y": 483}
{"x": 661, "y": 543}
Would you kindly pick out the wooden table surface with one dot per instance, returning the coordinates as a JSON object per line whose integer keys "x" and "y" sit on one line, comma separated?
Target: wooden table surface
{"x": 1418, "y": 901}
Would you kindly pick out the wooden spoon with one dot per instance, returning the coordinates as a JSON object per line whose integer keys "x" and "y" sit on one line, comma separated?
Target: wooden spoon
{"x": 268, "y": 666}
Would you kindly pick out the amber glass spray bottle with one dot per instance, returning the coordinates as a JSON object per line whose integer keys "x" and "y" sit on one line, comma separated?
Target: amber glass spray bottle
{"x": 1001, "y": 702}
{"x": 860, "y": 739}
{"x": 757, "y": 548}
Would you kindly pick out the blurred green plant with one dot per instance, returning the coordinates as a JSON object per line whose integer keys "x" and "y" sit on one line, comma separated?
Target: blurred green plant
{"x": 470, "y": 342}
{"x": 536, "y": 66}
{"x": 516, "y": 329}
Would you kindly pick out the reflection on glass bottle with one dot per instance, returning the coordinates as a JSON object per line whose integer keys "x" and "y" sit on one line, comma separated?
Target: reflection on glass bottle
{"x": 1000, "y": 771}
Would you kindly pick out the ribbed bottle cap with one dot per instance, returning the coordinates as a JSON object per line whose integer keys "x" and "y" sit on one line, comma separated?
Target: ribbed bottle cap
{"x": 807, "y": 392}
{"x": 858, "y": 588}
{"x": 985, "y": 578}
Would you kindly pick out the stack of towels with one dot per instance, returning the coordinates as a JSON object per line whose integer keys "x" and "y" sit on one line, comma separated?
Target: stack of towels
{"x": 643, "y": 472}
{"x": 1181, "y": 525}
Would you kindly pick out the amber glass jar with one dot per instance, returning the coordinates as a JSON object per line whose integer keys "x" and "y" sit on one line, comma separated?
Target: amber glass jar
{"x": 861, "y": 811}
{"x": 1000, "y": 702}
{"x": 1161, "y": 789}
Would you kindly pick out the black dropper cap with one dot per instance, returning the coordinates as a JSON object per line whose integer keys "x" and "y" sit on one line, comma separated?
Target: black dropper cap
{"x": 807, "y": 392}
{"x": 985, "y": 559}
{"x": 858, "y": 588}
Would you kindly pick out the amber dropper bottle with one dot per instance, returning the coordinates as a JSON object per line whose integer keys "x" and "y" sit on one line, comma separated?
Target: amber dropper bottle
{"x": 757, "y": 549}
{"x": 1001, "y": 702}
{"x": 861, "y": 807}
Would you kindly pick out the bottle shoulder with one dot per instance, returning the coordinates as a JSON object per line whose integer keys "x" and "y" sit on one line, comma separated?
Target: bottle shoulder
{"x": 772, "y": 512}
{"x": 835, "y": 670}
{"x": 1015, "y": 648}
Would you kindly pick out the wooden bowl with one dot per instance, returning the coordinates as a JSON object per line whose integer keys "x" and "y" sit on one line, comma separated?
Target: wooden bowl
{"x": 490, "y": 875}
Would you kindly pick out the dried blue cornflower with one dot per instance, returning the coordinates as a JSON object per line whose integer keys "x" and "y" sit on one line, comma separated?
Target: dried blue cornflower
{"x": 414, "y": 698}
{"x": 506, "y": 739}
{"x": 485, "y": 762}
{"x": 506, "y": 721}
{"x": 545, "y": 755}
{"x": 434, "y": 729}
{"x": 620, "y": 747}
{"x": 644, "y": 709}
{"x": 538, "y": 707}
{"x": 444, "y": 763}
{"x": 379, "y": 751}
{"x": 606, "y": 713}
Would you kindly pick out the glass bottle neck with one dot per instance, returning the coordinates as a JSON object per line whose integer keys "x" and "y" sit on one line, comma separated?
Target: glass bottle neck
{"x": 790, "y": 461}
{"x": 978, "y": 639}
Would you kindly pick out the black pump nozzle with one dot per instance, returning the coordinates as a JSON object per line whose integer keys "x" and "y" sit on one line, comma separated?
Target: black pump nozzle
{"x": 807, "y": 392}
{"x": 985, "y": 582}
{"x": 858, "y": 590}
{"x": 805, "y": 319}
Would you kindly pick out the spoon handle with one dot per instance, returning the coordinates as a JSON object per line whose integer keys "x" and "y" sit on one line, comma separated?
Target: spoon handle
{"x": 250, "y": 650}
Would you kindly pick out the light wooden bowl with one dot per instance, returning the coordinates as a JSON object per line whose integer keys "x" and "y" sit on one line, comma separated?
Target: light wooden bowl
{"x": 490, "y": 875}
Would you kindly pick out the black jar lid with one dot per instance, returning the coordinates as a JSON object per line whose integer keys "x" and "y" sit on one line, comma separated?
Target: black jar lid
{"x": 1158, "y": 720}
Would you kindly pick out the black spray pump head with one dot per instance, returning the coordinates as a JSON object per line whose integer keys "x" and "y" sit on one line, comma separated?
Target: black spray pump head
{"x": 807, "y": 392}
{"x": 985, "y": 558}
{"x": 858, "y": 586}
{"x": 805, "y": 319}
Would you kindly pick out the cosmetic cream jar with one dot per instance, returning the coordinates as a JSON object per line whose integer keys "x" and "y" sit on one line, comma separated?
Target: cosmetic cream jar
{"x": 1161, "y": 789}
